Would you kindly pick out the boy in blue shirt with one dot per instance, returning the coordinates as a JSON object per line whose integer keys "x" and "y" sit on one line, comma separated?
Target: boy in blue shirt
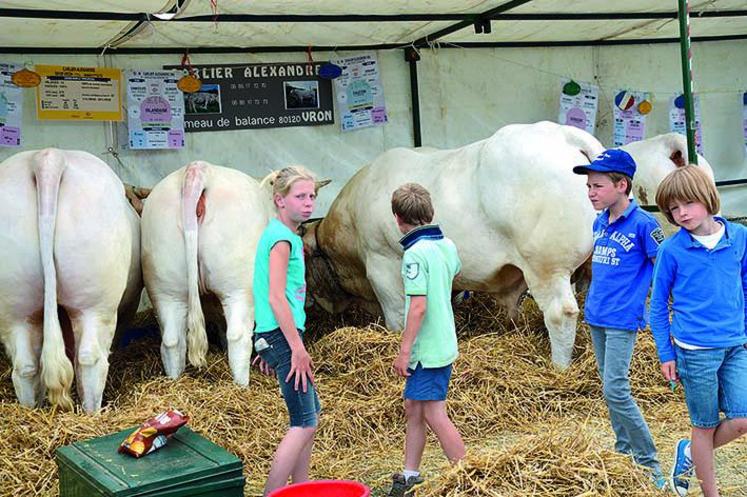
{"x": 429, "y": 343}
{"x": 703, "y": 269}
{"x": 626, "y": 239}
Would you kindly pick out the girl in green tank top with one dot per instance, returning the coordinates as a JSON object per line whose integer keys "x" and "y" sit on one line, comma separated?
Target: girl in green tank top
{"x": 279, "y": 290}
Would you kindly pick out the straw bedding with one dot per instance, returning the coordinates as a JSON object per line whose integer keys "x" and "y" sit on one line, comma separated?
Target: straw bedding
{"x": 530, "y": 429}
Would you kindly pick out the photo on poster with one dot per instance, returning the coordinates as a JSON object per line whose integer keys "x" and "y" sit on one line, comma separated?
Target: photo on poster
{"x": 205, "y": 101}
{"x": 301, "y": 94}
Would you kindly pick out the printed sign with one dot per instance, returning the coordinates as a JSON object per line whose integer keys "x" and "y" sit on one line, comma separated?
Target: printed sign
{"x": 79, "y": 93}
{"x": 250, "y": 96}
{"x": 155, "y": 110}
{"x": 360, "y": 96}
{"x": 11, "y": 107}
{"x": 630, "y": 109}
{"x": 578, "y": 104}
{"x": 677, "y": 119}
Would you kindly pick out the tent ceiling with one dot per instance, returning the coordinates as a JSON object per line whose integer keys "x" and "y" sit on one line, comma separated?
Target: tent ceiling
{"x": 86, "y": 25}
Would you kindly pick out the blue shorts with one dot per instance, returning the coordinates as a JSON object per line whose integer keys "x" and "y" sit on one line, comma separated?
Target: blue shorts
{"x": 303, "y": 407}
{"x": 714, "y": 380}
{"x": 427, "y": 383}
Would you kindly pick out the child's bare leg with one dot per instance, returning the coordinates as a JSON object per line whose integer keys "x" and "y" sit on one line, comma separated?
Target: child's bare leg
{"x": 415, "y": 435}
{"x": 449, "y": 437}
{"x": 287, "y": 455}
{"x": 728, "y": 430}
{"x": 300, "y": 472}
{"x": 702, "y": 455}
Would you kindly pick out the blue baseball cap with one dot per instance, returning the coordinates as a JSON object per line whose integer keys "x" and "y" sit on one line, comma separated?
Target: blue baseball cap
{"x": 613, "y": 160}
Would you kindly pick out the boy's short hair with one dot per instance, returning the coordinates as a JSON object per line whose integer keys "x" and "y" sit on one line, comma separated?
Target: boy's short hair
{"x": 687, "y": 183}
{"x": 617, "y": 177}
{"x": 412, "y": 203}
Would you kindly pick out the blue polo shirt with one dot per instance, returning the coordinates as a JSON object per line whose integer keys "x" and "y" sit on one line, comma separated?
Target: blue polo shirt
{"x": 621, "y": 268}
{"x": 707, "y": 287}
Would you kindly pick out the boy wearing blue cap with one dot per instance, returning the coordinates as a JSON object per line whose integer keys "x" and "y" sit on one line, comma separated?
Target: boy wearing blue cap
{"x": 626, "y": 239}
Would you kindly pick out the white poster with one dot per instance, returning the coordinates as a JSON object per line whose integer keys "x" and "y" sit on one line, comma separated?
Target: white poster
{"x": 155, "y": 110}
{"x": 677, "y": 119}
{"x": 578, "y": 104}
{"x": 744, "y": 120}
{"x": 11, "y": 107}
{"x": 360, "y": 96}
{"x": 630, "y": 109}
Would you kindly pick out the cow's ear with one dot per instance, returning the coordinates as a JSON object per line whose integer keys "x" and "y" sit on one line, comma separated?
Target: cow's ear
{"x": 320, "y": 184}
{"x": 678, "y": 158}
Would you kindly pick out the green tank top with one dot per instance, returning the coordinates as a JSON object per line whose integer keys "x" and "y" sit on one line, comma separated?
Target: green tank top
{"x": 295, "y": 284}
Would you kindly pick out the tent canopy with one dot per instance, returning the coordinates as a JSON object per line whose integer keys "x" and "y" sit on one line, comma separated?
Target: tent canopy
{"x": 85, "y": 26}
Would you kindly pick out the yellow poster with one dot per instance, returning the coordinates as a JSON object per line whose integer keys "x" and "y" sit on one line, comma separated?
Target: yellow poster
{"x": 79, "y": 93}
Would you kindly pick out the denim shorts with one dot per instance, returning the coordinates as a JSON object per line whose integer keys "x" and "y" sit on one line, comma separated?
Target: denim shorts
{"x": 427, "y": 383}
{"x": 303, "y": 407}
{"x": 714, "y": 380}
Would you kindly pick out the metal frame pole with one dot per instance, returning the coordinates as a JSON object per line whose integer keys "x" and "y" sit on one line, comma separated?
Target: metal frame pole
{"x": 412, "y": 57}
{"x": 687, "y": 79}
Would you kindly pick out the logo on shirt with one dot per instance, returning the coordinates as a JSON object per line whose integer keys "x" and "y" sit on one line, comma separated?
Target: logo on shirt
{"x": 658, "y": 235}
{"x": 412, "y": 270}
{"x": 606, "y": 256}
{"x": 625, "y": 242}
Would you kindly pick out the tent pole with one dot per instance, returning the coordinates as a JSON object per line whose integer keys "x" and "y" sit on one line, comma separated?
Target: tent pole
{"x": 687, "y": 79}
{"x": 412, "y": 57}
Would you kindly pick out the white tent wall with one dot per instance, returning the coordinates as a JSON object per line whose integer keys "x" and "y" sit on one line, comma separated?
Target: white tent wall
{"x": 465, "y": 95}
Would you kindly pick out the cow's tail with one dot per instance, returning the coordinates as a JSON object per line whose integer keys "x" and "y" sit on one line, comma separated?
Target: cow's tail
{"x": 589, "y": 146}
{"x": 193, "y": 201}
{"x": 56, "y": 369}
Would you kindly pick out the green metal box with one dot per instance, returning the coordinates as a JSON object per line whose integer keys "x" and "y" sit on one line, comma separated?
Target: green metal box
{"x": 189, "y": 465}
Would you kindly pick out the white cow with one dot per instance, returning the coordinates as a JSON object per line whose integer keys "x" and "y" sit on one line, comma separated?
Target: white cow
{"x": 200, "y": 229}
{"x": 655, "y": 158}
{"x": 512, "y": 205}
{"x": 70, "y": 264}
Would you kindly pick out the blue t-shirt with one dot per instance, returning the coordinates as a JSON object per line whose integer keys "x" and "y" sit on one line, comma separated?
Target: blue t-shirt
{"x": 707, "y": 288}
{"x": 621, "y": 268}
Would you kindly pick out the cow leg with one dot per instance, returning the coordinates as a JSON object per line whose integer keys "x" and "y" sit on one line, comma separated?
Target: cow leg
{"x": 239, "y": 323}
{"x": 94, "y": 332}
{"x": 172, "y": 318}
{"x": 24, "y": 350}
{"x": 384, "y": 275}
{"x": 555, "y": 298}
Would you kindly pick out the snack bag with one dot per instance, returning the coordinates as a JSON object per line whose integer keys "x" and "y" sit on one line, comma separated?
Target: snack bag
{"x": 152, "y": 434}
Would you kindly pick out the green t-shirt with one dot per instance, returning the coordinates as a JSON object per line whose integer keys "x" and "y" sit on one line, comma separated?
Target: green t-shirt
{"x": 428, "y": 268}
{"x": 295, "y": 284}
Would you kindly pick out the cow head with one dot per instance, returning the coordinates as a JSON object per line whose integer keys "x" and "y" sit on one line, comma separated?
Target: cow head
{"x": 322, "y": 281}
{"x": 655, "y": 158}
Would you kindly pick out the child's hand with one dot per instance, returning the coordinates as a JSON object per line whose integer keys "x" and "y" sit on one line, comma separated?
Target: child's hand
{"x": 301, "y": 369}
{"x": 669, "y": 370}
{"x": 400, "y": 364}
{"x": 264, "y": 367}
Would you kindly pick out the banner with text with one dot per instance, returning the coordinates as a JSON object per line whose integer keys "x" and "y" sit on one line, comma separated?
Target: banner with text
{"x": 79, "y": 93}
{"x": 250, "y": 96}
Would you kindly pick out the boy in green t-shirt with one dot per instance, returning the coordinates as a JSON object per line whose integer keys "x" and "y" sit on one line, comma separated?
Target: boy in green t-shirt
{"x": 429, "y": 345}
